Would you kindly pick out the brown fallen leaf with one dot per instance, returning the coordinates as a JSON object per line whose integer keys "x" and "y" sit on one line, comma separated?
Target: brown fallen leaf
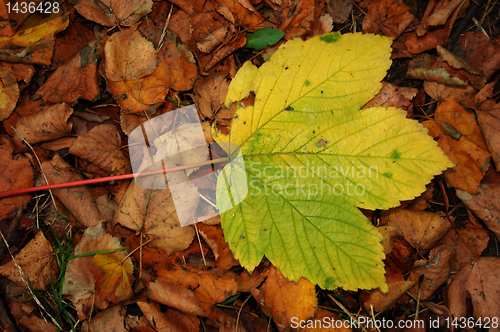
{"x": 421, "y": 229}
{"x": 393, "y": 96}
{"x": 9, "y": 94}
{"x": 485, "y": 205}
{"x": 214, "y": 237}
{"x": 76, "y": 79}
{"x": 129, "y": 122}
{"x": 389, "y": 18}
{"x": 472, "y": 161}
{"x": 180, "y": 25}
{"x": 111, "y": 319}
{"x": 190, "y": 6}
{"x": 46, "y": 125}
{"x": 210, "y": 93}
{"x": 436, "y": 271}
{"x": 78, "y": 200}
{"x": 339, "y": 10}
{"x": 68, "y": 44}
{"x": 431, "y": 68}
{"x": 488, "y": 116}
{"x": 106, "y": 152}
{"x": 398, "y": 286}
{"x": 463, "y": 121}
{"x": 209, "y": 286}
{"x": 17, "y": 173}
{"x": 129, "y": 56}
{"x": 37, "y": 263}
{"x": 29, "y": 320}
{"x": 480, "y": 52}
{"x": 144, "y": 91}
{"x": 109, "y": 13}
{"x": 240, "y": 13}
{"x": 172, "y": 320}
{"x": 479, "y": 281}
{"x": 468, "y": 242}
{"x": 441, "y": 92}
{"x": 442, "y": 12}
{"x": 153, "y": 213}
{"x": 23, "y": 73}
{"x": 285, "y": 299}
{"x": 175, "y": 296}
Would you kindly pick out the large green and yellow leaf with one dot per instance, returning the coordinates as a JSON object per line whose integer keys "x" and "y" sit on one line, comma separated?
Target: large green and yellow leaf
{"x": 312, "y": 157}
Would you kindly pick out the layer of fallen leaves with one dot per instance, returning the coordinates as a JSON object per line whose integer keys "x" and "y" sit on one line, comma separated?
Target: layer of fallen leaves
{"x": 74, "y": 85}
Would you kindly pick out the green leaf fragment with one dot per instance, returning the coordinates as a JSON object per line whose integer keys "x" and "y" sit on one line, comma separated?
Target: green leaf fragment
{"x": 261, "y": 38}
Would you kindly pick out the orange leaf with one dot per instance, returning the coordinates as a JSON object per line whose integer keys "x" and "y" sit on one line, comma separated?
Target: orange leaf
{"x": 285, "y": 299}
{"x": 112, "y": 278}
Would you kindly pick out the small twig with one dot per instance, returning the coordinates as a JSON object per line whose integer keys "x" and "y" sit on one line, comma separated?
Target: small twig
{"x": 199, "y": 242}
{"x": 239, "y": 312}
{"x": 345, "y": 310}
{"x": 160, "y": 43}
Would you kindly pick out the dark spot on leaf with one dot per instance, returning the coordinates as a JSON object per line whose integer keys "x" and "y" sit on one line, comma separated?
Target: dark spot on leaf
{"x": 330, "y": 38}
{"x": 289, "y": 108}
{"x": 321, "y": 142}
{"x": 389, "y": 175}
{"x": 244, "y": 122}
{"x": 286, "y": 68}
{"x": 242, "y": 237}
{"x": 307, "y": 83}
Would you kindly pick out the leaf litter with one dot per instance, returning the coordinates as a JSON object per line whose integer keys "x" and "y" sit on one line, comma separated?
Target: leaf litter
{"x": 440, "y": 263}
